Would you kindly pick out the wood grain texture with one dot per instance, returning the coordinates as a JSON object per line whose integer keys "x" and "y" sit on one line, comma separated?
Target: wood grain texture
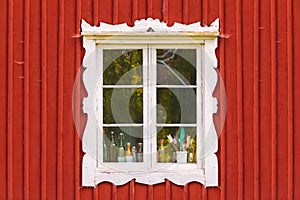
{"x": 40, "y": 52}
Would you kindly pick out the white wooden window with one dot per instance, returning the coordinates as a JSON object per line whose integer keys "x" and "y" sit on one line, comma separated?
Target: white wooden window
{"x": 151, "y": 85}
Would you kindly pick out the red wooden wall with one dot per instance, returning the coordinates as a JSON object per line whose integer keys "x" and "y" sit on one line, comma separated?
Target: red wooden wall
{"x": 259, "y": 58}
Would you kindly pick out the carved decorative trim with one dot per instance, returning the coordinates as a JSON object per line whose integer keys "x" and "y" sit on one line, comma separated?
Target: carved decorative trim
{"x": 93, "y": 174}
{"x": 150, "y": 26}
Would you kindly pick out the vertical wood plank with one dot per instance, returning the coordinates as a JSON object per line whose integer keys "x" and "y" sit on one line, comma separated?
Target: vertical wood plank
{"x": 223, "y": 76}
{"x": 124, "y": 12}
{"x": 105, "y": 11}
{"x": 114, "y": 192}
{"x": 185, "y": 192}
{"x": 131, "y": 190}
{"x": 87, "y": 14}
{"x": 185, "y": 11}
{"x": 168, "y": 190}
{"x": 157, "y": 9}
{"x": 247, "y": 28}
{"x": 176, "y": 192}
{"x": 296, "y": 98}
{"x": 213, "y": 11}
{"x": 87, "y": 10}
{"x": 165, "y": 11}
{"x": 175, "y": 11}
{"x": 134, "y": 8}
{"x": 95, "y": 194}
{"x": 51, "y": 97}
{"x": 26, "y": 97}
{"x": 18, "y": 101}
{"x": 60, "y": 95}
{"x": 105, "y": 190}
{"x": 205, "y": 12}
{"x": 76, "y": 95}
{"x": 10, "y": 100}
{"x": 115, "y": 11}
{"x": 256, "y": 120}
{"x": 290, "y": 109}
{"x": 159, "y": 191}
{"x": 273, "y": 100}
{"x": 95, "y": 13}
{"x": 204, "y": 193}
{"x": 239, "y": 85}
{"x": 4, "y": 21}
{"x": 140, "y": 191}
{"x": 265, "y": 100}
{"x": 44, "y": 101}
{"x": 231, "y": 87}
{"x": 149, "y": 8}
{"x": 195, "y": 11}
{"x": 150, "y": 192}
{"x": 123, "y": 192}
{"x": 194, "y": 190}
{"x": 282, "y": 99}
{"x": 68, "y": 136}
{"x": 34, "y": 89}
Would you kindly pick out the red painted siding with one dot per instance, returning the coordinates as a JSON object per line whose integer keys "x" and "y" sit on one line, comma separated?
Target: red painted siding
{"x": 40, "y": 53}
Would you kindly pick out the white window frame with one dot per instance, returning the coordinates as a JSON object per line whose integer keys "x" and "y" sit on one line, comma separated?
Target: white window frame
{"x": 204, "y": 39}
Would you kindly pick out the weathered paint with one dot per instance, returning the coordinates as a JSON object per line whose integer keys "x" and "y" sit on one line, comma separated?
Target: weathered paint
{"x": 40, "y": 53}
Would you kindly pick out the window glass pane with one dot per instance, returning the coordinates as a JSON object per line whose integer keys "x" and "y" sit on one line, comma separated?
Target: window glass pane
{"x": 122, "y": 105}
{"x": 122, "y": 67}
{"x": 168, "y": 144}
{"x": 123, "y": 144}
{"x": 176, "y": 105}
{"x": 176, "y": 66}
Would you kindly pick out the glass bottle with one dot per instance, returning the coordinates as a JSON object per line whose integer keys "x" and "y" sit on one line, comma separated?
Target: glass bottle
{"x": 140, "y": 152}
{"x": 128, "y": 152}
{"x": 121, "y": 153}
{"x": 112, "y": 149}
{"x": 133, "y": 151}
{"x": 162, "y": 151}
{"x": 191, "y": 154}
{"x": 105, "y": 152}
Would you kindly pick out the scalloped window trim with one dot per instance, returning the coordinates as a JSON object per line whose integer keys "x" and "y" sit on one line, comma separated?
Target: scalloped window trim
{"x": 149, "y": 32}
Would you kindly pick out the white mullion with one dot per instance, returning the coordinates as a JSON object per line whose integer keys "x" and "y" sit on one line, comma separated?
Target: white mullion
{"x": 152, "y": 101}
{"x": 122, "y": 86}
{"x": 146, "y": 145}
{"x": 123, "y": 125}
{"x": 177, "y": 86}
{"x": 176, "y": 125}
{"x": 99, "y": 112}
{"x": 200, "y": 107}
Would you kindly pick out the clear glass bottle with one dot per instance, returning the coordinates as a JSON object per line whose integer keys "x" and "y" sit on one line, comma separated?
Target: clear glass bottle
{"x": 133, "y": 151}
{"x": 162, "y": 152}
{"x": 140, "y": 152}
{"x": 121, "y": 152}
{"x": 112, "y": 149}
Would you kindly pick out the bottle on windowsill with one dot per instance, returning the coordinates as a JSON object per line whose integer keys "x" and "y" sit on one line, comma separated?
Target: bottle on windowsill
{"x": 128, "y": 154}
{"x": 140, "y": 152}
{"x": 162, "y": 152}
{"x": 121, "y": 152}
{"x": 112, "y": 149}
